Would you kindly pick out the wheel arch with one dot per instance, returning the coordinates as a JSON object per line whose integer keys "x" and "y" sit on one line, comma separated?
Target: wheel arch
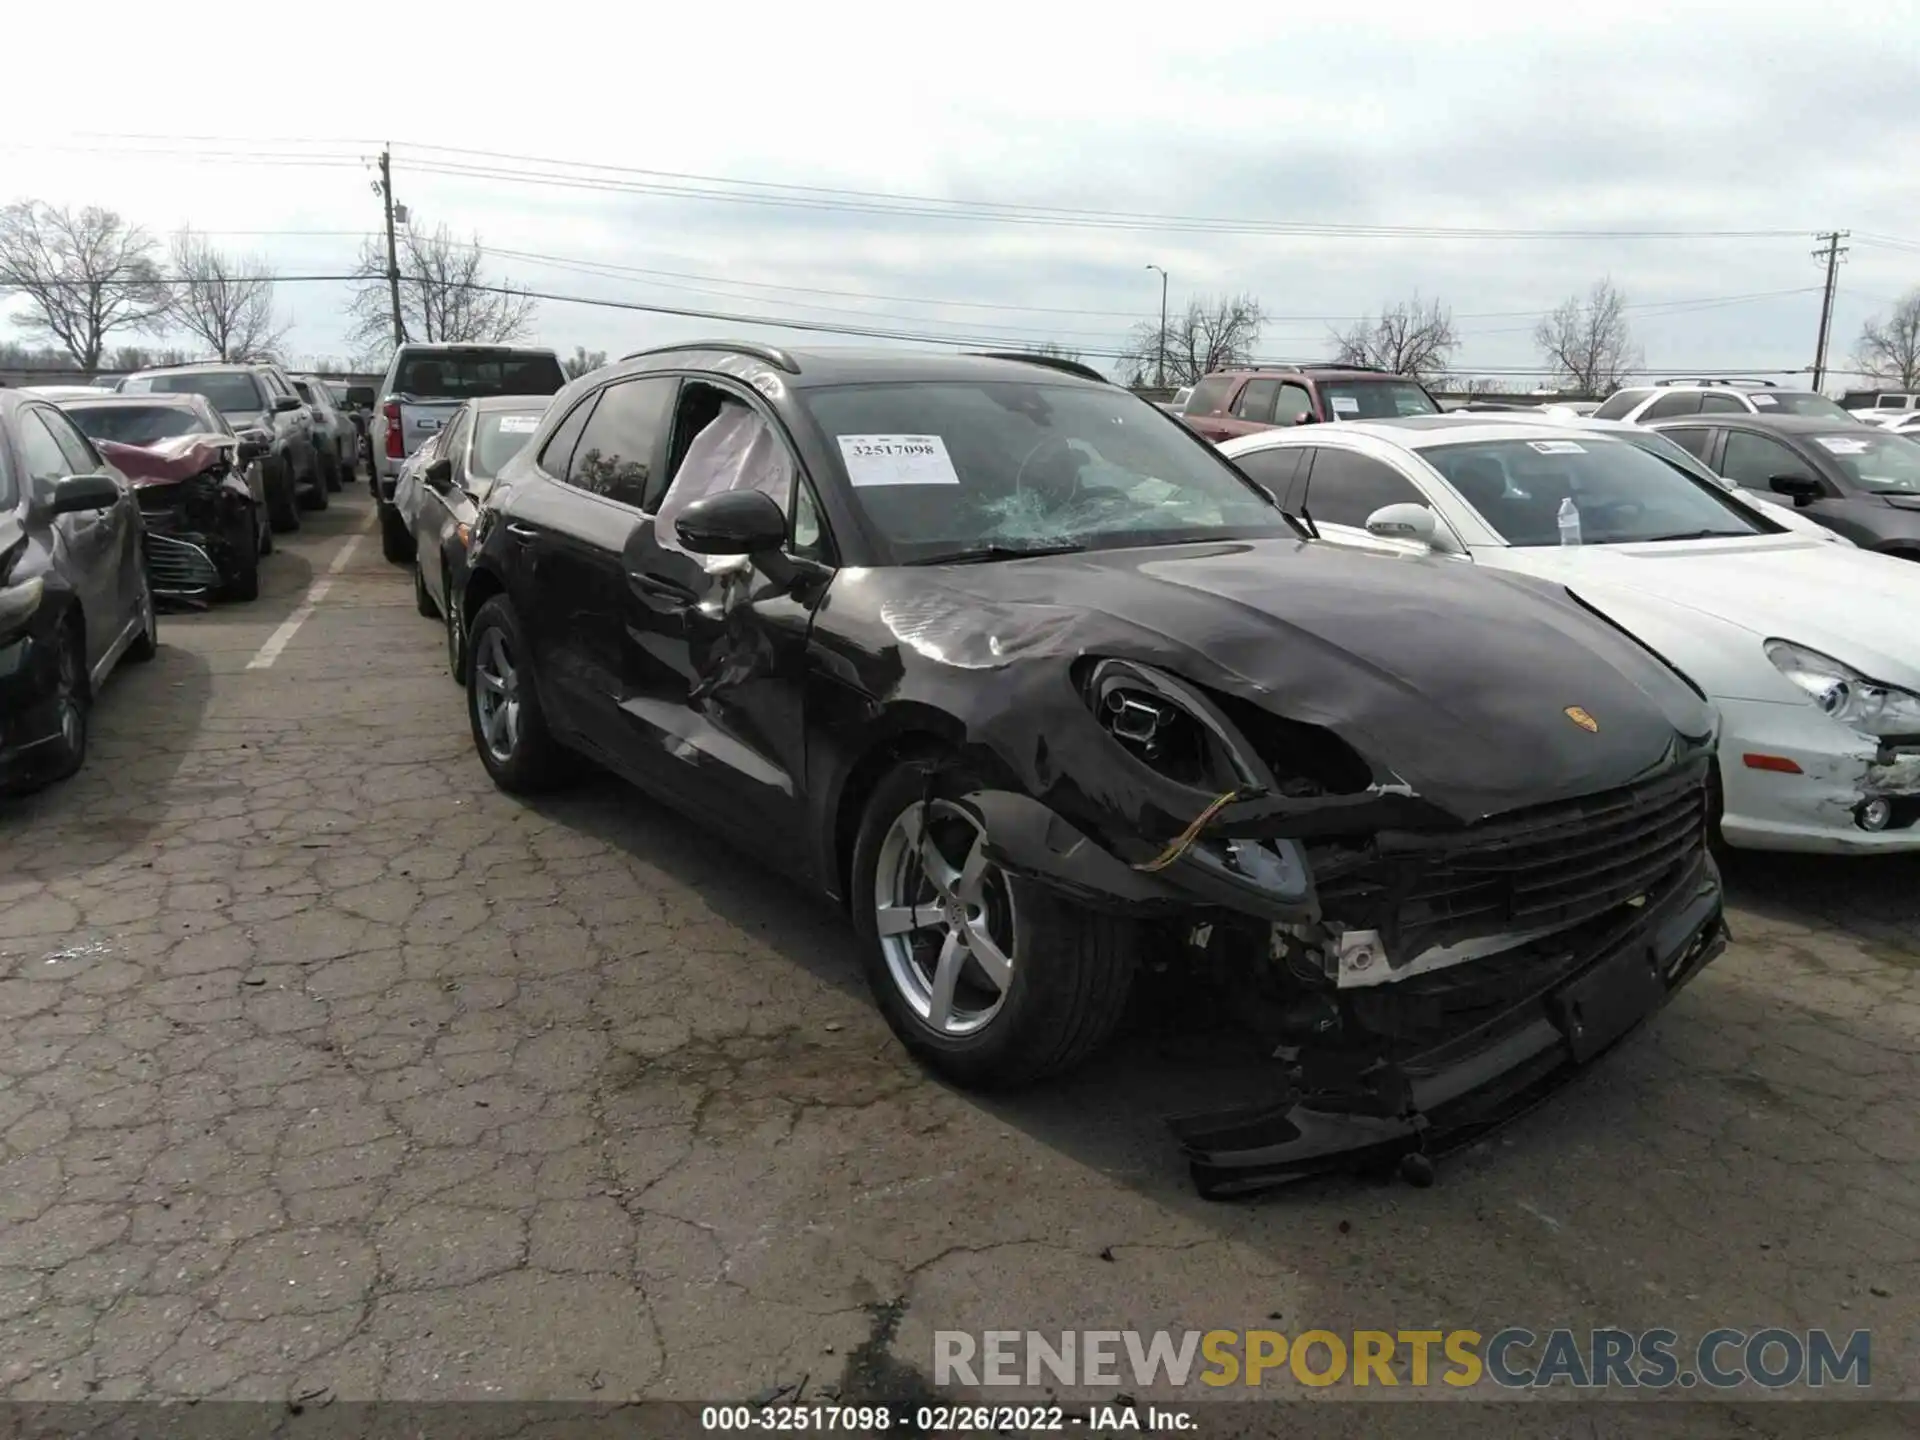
{"x": 912, "y": 732}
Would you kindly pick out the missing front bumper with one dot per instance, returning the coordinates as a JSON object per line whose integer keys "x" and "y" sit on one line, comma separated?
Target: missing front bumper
{"x": 1457, "y": 1090}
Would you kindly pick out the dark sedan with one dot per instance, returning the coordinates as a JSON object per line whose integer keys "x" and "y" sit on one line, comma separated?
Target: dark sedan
{"x": 1045, "y": 691}
{"x": 73, "y": 589}
{"x": 1855, "y": 479}
{"x": 453, "y": 483}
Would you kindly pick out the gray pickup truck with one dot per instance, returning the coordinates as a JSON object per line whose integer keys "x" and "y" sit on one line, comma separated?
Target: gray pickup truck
{"x": 424, "y": 388}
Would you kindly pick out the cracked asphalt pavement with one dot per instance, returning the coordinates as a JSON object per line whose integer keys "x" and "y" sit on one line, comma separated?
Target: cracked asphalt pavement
{"x": 327, "y": 1070}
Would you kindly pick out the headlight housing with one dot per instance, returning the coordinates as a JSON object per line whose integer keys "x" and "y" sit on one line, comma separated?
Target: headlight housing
{"x": 1846, "y": 695}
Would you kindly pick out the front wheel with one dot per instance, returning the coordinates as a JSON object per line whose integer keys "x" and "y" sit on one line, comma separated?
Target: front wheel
{"x": 316, "y": 492}
{"x": 330, "y": 471}
{"x": 67, "y": 751}
{"x": 422, "y": 597}
{"x": 396, "y": 541}
{"x": 509, "y": 729}
{"x": 992, "y": 980}
{"x": 244, "y": 582}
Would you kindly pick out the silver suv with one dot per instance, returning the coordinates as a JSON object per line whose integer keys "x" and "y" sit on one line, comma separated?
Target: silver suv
{"x": 1672, "y": 399}
{"x": 424, "y": 388}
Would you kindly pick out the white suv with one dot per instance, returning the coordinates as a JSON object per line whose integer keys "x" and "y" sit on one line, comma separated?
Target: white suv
{"x": 1672, "y": 399}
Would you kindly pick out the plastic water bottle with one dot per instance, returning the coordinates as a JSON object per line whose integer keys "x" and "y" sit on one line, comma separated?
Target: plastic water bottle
{"x": 1569, "y": 522}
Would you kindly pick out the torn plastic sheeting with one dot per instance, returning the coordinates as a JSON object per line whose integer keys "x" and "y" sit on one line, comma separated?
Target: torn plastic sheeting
{"x": 180, "y": 457}
{"x": 1897, "y": 776}
{"x": 736, "y": 451}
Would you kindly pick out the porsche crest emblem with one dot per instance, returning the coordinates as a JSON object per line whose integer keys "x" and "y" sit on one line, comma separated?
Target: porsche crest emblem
{"x": 1582, "y": 719}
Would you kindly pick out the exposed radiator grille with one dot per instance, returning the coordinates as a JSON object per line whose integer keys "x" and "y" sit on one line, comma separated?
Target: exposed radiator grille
{"x": 177, "y": 568}
{"x": 1552, "y": 866}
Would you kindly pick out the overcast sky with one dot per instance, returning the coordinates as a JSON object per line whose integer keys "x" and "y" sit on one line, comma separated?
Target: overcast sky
{"x": 1657, "y": 117}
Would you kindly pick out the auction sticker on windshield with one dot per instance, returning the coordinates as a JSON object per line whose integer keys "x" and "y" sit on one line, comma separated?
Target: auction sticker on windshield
{"x": 1841, "y": 446}
{"x": 1761, "y": 399}
{"x": 897, "y": 460}
{"x": 1345, "y": 405}
{"x": 1557, "y": 447}
{"x": 519, "y": 424}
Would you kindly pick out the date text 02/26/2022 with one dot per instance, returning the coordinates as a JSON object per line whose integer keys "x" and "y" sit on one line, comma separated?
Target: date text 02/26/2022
{"x": 947, "y": 1419}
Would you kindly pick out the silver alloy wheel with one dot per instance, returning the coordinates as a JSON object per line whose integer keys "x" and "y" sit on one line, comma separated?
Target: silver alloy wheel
{"x": 945, "y": 917}
{"x": 496, "y": 693}
{"x": 68, "y": 681}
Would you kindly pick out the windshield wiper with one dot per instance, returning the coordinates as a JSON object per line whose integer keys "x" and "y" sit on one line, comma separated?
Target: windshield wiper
{"x": 1692, "y": 535}
{"x": 980, "y": 553}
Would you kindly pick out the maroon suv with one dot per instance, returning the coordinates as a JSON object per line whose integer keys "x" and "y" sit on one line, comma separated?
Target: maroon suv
{"x": 1227, "y": 403}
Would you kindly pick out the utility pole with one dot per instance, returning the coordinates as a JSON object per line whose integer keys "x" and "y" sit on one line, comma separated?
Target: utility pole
{"x": 393, "y": 253}
{"x": 1160, "y": 375}
{"x": 1831, "y": 253}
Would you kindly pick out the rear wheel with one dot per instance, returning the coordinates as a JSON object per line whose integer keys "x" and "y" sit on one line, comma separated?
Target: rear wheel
{"x": 283, "y": 508}
{"x": 330, "y": 470}
{"x": 315, "y": 495}
{"x": 992, "y": 980}
{"x": 509, "y": 730}
{"x": 147, "y": 643}
{"x": 396, "y": 541}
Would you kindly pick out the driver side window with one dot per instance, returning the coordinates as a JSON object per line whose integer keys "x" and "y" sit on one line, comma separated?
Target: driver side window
{"x": 1751, "y": 461}
{"x": 723, "y": 442}
{"x": 79, "y": 453}
{"x": 1344, "y": 488}
{"x": 45, "y": 464}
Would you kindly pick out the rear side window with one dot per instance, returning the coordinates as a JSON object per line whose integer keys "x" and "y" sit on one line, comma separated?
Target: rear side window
{"x": 1344, "y": 488}
{"x": 1721, "y": 405}
{"x": 1678, "y": 402}
{"x": 617, "y": 450}
{"x": 1256, "y": 401}
{"x": 1616, "y": 405}
{"x": 1274, "y": 469}
{"x": 477, "y": 375}
{"x": 557, "y": 454}
{"x": 1209, "y": 396}
{"x": 1693, "y": 439}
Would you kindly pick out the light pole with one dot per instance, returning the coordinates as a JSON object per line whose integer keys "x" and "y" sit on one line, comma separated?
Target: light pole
{"x": 1160, "y": 375}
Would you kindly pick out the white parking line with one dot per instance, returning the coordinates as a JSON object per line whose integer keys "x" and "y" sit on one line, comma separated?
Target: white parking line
{"x": 316, "y": 592}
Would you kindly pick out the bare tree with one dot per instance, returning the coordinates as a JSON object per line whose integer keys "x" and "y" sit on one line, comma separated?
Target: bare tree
{"x": 1411, "y": 338}
{"x": 1211, "y": 335}
{"x": 445, "y": 294}
{"x": 1054, "y": 350}
{"x": 224, "y": 302}
{"x": 583, "y": 360}
{"x": 1889, "y": 349}
{"x": 1588, "y": 345}
{"x": 83, "y": 275}
{"x": 141, "y": 357}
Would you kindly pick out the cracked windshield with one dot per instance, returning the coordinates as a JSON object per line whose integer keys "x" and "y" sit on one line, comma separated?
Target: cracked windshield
{"x": 1039, "y": 720}
{"x": 944, "y": 470}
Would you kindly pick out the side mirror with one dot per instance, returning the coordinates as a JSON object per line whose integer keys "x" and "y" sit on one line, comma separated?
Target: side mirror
{"x": 1405, "y": 521}
{"x": 738, "y": 522}
{"x": 1802, "y": 489}
{"x": 285, "y": 403}
{"x": 83, "y": 492}
{"x": 439, "y": 475}
{"x": 252, "y": 447}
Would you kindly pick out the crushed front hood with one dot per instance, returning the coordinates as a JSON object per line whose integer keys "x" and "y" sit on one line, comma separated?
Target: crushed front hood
{"x": 1454, "y": 683}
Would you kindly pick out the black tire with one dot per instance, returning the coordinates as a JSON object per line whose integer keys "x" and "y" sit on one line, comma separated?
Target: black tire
{"x": 422, "y": 597}
{"x": 68, "y": 752}
{"x": 534, "y": 761}
{"x": 456, "y": 641}
{"x": 348, "y": 466}
{"x": 330, "y": 471}
{"x": 244, "y": 583}
{"x": 266, "y": 540}
{"x": 283, "y": 507}
{"x": 396, "y": 541}
{"x": 1071, "y": 974}
{"x": 146, "y": 644}
{"x": 314, "y": 497}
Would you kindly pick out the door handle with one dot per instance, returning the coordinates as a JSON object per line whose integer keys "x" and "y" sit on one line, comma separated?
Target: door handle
{"x": 522, "y": 532}
{"x": 665, "y": 589}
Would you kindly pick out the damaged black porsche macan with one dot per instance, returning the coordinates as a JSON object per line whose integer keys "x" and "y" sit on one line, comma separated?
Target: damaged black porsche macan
{"x": 1045, "y": 691}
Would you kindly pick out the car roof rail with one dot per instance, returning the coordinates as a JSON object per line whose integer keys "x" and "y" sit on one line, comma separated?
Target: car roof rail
{"x": 772, "y": 354}
{"x": 1715, "y": 380}
{"x": 1052, "y": 362}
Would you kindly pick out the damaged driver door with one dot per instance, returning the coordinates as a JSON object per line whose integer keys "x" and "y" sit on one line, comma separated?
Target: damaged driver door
{"x": 717, "y": 652}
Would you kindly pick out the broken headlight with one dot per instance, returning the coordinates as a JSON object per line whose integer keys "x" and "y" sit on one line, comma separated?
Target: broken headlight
{"x": 1846, "y": 695}
{"x": 1170, "y": 727}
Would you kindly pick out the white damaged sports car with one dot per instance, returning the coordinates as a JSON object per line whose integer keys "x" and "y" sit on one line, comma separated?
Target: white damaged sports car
{"x": 1809, "y": 649}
